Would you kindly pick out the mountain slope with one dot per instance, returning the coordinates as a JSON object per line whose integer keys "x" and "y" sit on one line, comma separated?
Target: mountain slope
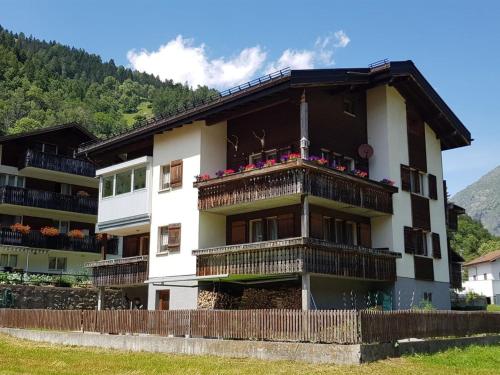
{"x": 482, "y": 200}
{"x": 46, "y": 83}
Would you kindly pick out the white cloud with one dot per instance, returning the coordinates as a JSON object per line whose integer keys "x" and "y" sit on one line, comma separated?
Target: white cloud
{"x": 182, "y": 61}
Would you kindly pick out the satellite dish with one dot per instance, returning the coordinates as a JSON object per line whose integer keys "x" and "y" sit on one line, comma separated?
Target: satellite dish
{"x": 365, "y": 151}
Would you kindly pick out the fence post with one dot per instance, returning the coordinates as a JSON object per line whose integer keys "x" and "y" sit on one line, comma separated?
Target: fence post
{"x": 359, "y": 320}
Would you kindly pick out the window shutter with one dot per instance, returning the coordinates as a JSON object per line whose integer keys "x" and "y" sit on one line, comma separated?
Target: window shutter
{"x": 316, "y": 225}
{"x": 176, "y": 174}
{"x": 409, "y": 240}
{"x": 432, "y": 186}
{"x": 436, "y": 246}
{"x": 174, "y": 237}
{"x": 405, "y": 178}
{"x": 285, "y": 226}
{"x": 365, "y": 235}
{"x": 238, "y": 232}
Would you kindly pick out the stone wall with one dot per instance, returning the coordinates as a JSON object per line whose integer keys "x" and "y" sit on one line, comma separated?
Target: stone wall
{"x": 57, "y": 298}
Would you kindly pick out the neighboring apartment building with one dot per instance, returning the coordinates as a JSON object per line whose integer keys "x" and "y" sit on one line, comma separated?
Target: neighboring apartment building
{"x": 48, "y": 202}
{"x": 484, "y": 276}
{"x": 299, "y": 199}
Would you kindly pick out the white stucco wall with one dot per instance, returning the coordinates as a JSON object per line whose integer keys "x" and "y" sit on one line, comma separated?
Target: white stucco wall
{"x": 386, "y": 126}
{"x": 436, "y": 206}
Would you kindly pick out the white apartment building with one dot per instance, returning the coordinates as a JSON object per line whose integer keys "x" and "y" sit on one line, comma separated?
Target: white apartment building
{"x": 314, "y": 189}
{"x": 484, "y": 276}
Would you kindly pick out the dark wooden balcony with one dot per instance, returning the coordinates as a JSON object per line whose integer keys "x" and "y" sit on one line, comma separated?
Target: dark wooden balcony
{"x": 57, "y": 163}
{"x": 119, "y": 272}
{"x": 48, "y": 200}
{"x": 455, "y": 275}
{"x": 287, "y": 181}
{"x": 297, "y": 255}
{"x": 35, "y": 239}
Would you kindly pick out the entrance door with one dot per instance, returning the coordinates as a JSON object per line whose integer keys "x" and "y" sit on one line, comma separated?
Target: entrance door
{"x": 164, "y": 300}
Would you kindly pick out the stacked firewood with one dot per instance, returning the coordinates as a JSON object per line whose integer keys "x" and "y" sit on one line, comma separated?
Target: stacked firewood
{"x": 250, "y": 298}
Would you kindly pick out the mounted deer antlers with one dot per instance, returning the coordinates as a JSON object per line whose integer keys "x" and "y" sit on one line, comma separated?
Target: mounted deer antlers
{"x": 234, "y": 144}
{"x": 261, "y": 139}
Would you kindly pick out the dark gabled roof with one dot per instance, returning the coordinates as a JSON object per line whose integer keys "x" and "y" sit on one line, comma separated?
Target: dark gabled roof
{"x": 456, "y": 208}
{"x": 486, "y": 258}
{"x": 49, "y": 129}
{"x": 403, "y": 75}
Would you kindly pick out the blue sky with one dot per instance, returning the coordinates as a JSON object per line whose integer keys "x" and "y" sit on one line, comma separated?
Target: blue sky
{"x": 456, "y": 45}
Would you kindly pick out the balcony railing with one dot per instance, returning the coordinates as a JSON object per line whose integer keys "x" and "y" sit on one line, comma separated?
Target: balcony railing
{"x": 35, "y": 239}
{"x": 297, "y": 255}
{"x": 47, "y": 199}
{"x": 295, "y": 177}
{"x": 119, "y": 272}
{"x": 58, "y": 163}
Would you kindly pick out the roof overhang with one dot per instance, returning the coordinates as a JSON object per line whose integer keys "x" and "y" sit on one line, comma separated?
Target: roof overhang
{"x": 403, "y": 75}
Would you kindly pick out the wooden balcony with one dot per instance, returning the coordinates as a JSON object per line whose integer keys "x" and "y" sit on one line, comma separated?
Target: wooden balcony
{"x": 284, "y": 183}
{"x": 119, "y": 272}
{"x": 57, "y": 163}
{"x": 297, "y": 255}
{"x": 48, "y": 200}
{"x": 35, "y": 239}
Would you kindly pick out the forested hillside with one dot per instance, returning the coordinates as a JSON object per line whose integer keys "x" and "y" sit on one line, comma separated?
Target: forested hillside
{"x": 46, "y": 83}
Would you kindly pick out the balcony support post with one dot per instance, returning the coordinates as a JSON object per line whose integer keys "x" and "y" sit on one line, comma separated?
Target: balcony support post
{"x": 306, "y": 291}
{"x": 100, "y": 298}
{"x": 304, "y": 127}
{"x": 104, "y": 246}
{"x": 304, "y": 219}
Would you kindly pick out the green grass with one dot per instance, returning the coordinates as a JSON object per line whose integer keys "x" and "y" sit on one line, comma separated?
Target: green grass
{"x": 25, "y": 357}
{"x": 493, "y": 308}
{"x": 143, "y": 109}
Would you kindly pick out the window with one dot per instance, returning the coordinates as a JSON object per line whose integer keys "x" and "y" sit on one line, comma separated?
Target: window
{"x": 107, "y": 186}
{"x": 485, "y": 276}
{"x": 165, "y": 177}
{"x": 57, "y": 264}
{"x": 45, "y": 147}
{"x": 349, "y": 107}
{"x": 63, "y": 226}
{"x": 11, "y": 180}
{"x": 272, "y": 228}
{"x": 139, "y": 178}
{"x": 8, "y": 260}
{"x": 428, "y": 296}
{"x": 329, "y": 229}
{"x": 123, "y": 182}
{"x": 350, "y": 233}
{"x": 421, "y": 243}
{"x": 256, "y": 232}
{"x": 170, "y": 238}
{"x": 255, "y": 158}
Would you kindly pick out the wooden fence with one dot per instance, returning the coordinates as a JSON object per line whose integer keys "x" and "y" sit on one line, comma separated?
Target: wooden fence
{"x": 328, "y": 326}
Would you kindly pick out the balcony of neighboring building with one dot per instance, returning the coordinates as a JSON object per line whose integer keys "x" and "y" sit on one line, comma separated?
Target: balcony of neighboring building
{"x": 56, "y": 167}
{"x": 17, "y": 200}
{"x": 125, "y": 197}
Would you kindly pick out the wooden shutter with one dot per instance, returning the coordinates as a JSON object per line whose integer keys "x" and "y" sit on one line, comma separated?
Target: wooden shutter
{"x": 416, "y": 140}
{"x": 286, "y": 226}
{"x": 316, "y": 225}
{"x": 421, "y": 216}
{"x": 238, "y": 232}
{"x": 365, "y": 235}
{"x": 436, "y": 246}
{"x": 424, "y": 268}
{"x": 409, "y": 240}
{"x": 432, "y": 186}
{"x": 176, "y": 174}
{"x": 405, "y": 178}
{"x": 174, "y": 237}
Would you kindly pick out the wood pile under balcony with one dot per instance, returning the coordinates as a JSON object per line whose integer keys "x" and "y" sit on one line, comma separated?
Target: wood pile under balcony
{"x": 297, "y": 255}
{"x": 294, "y": 178}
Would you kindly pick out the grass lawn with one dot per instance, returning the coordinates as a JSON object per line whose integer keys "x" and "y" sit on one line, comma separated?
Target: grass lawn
{"x": 25, "y": 357}
{"x": 142, "y": 109}
{"x": 493, "y": 308}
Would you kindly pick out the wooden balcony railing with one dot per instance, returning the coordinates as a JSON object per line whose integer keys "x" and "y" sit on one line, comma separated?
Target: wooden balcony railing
{"x": 35, "y": 239}
{"x": 295, "y": 177}
{"x": 47, "y": 199}
{"x": 58, "y": 163}
{"x": 119, "y": 272}
{"x": 297, "y": 255}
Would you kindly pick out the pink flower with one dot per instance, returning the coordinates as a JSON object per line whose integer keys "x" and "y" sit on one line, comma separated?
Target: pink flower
{"x": 270, "y": 162}
{"x": 228, "y": 172}
{"x": 249, "y": 167}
